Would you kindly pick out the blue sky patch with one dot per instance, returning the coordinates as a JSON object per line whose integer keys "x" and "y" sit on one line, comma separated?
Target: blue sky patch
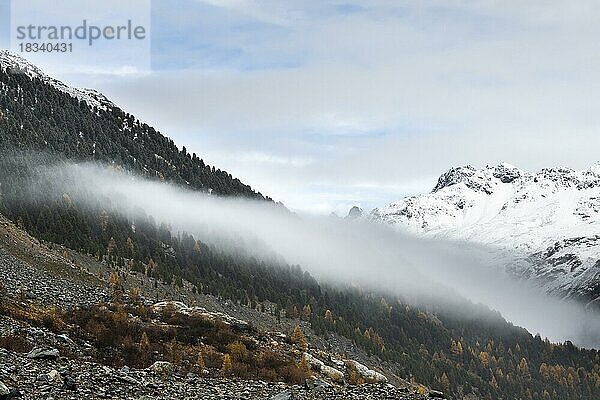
{"x": 4, "y": 23}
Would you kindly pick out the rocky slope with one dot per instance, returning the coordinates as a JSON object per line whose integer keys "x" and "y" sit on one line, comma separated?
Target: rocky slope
{"x": 549, "y": 220}
{"x": 39, "y": 360}
{"x": 59, "y": 378}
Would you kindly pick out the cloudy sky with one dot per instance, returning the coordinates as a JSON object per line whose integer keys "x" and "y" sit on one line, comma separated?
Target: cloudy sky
{"x": 327, "y": 104}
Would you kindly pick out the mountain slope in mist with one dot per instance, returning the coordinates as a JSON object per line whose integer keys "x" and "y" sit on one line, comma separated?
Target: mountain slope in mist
{"x": 17, "y": 63}
{"x": 549, "y": 220}
{"x": 255, "y": 255}
{"x": 39, "y": 112}
{"x": 130, "y": 225}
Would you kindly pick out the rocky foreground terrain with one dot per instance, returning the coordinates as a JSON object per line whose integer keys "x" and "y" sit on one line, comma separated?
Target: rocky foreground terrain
{"x": 60, "y": 378}
{"x": 40, "y": 361}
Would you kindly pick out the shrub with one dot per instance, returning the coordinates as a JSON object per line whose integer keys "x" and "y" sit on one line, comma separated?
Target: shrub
{"x": 353, "y": 376}
{"x": 15, "y": 343}
{"x": 237, "y": 350}
{"x": 294, "y": 374}
{"x": 212, "y": 358}
{"x": 52, "y": 318}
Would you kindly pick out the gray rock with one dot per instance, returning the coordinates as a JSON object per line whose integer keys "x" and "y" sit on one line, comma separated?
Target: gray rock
{"x": 66, "y": 339}
{"x": 43, "y": 353}
{"x": 42, "y": 379}
{"x": 317, "y": 384}
{"x": 285, "y": 395}
{"x": 69, "y": 383}
{"x": 164, "y": 368}
{"x": 4, "y": 391}
{"x": 54, "y": 377}
{"x": 436, "y": 394}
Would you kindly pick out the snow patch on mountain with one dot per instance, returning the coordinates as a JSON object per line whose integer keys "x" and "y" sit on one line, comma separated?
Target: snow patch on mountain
{"x": 14, "y": 63}
{"x": 550, "y": 220}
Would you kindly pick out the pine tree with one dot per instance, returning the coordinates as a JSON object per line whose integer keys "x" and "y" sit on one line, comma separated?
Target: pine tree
{"x": 304, "y": 366}
{"x": 444, "y": 381}
{"x": 456, "y": 348}
{"x": 112, "y": 245}
{"x": 237, "y": 350}
{"x": 493, "y": 382}
{"x": 306, "y": 312}
{"x": 523, "y": 369}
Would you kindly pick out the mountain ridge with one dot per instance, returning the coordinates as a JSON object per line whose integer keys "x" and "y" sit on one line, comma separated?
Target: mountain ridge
{"x": 548, "y": 219}
{"x": 83, "y": 124}
{"x": 16, "y": 63}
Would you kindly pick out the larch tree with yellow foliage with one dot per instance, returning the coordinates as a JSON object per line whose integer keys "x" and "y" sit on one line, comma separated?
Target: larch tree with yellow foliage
{"x": 297, "y": 337}
{"x": 227, "y": 365}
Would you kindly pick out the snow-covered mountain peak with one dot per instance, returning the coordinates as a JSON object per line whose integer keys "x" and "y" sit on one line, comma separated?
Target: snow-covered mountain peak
{"x": 12, "y": 62}
{"x": 507, "y": 173}
{"x": 480, "y": 180}
{"x": 16, "y": 63}
{"x": 516, "y": 211}
{"x": 355, "y": 213}
{"x": 594, "y": 169}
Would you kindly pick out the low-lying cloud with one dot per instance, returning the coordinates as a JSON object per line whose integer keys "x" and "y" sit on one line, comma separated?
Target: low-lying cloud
{"x": 335, "y": 250}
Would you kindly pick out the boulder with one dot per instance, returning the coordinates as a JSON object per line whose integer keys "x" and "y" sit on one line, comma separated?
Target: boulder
{"x": 164, "y": 368}
{"x": 285, "y": 395}
{"x": 314, "y": 362}
{"x": 319, "y": 366}
{"x": 367, "y": 374}
{"x": 436, "y": 394}
{"x": 177, "y": 306}
{"x": 64, "y": 338}
{"x": 332, "y": 373}
{"x": 43, "y": 353}
{"x": 317, "y": 384}
{"x": 69, "y": 383}
{"x": 54, "y": 377}
{"x": 4, "y": 391}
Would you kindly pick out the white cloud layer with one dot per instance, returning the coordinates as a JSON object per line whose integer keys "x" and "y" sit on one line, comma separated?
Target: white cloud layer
{"x": 385, "y": 95}
{"x": 374, "y": 256}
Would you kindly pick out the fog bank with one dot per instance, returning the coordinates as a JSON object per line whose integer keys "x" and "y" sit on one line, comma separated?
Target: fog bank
{"x": 335, "y": 250}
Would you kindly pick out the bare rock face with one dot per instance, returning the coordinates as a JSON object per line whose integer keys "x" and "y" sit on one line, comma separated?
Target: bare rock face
{"x": 455, "y": 176}
{"x": 507, "y": 173}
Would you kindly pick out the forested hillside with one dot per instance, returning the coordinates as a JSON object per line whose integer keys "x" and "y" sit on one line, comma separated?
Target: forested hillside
{"x": 36, "y": 115}
{"x": 481, "y": 354}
